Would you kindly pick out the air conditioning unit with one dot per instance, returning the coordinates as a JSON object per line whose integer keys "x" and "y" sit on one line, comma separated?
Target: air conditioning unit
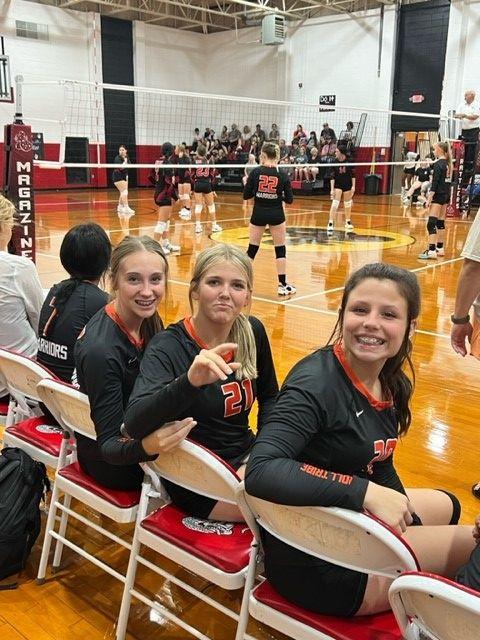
{"x": 273, "y": 29}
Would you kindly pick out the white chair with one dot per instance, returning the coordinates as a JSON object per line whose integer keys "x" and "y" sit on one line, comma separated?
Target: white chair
{"x": 72, "y": 410}
{"x": 218, "y": 552}
{"x": 26, "y": 427}
{"x": 438, "y": 607}
{"x": 354, "y": 540}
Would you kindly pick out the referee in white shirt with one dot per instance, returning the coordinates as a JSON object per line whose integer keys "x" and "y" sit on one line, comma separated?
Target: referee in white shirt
{"x": 468, "y": 112}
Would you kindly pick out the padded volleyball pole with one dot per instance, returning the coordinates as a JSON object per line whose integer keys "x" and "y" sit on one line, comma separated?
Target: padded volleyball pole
{"x": 18, "y": 178}
{"x": 454, "y": 207}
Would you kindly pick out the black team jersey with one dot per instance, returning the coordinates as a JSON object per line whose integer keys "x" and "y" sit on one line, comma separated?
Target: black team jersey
{"x": 203, "y": 175}
{"x": 162, "y": 393}
{"x": 322, "y": 443}
{"x": 183, "y": 172}
{"x": 440, "y": 184}
{"x": 269, "y": 187}
{"x": 57, "y": 334}
{"x": 343, "y": 177}
{"x": 107, "y": 360}
{"x": 423, "y": 174}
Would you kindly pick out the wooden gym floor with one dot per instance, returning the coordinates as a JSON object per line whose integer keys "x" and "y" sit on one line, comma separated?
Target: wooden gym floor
{"x": 439, "y": 451}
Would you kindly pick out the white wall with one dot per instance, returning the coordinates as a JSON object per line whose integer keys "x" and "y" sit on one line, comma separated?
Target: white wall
{"x": 463, "y": 53}
{"x": 67, "y": 54}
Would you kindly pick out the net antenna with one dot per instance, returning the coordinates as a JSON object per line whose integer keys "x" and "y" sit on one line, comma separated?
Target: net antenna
{"x": 6, "y": 89}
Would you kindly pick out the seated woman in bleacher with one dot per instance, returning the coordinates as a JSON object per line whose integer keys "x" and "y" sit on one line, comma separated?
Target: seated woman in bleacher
{"x": 85, "y": 255}
{"x": 107, "y": 359}
{"x": 211, "y": 366}
{"x": 330, "y": 441}
{"x": 21, "y": 293}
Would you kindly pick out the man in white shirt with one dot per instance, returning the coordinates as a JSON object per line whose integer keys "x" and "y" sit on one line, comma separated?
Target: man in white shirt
{"x": 468, "y": 112}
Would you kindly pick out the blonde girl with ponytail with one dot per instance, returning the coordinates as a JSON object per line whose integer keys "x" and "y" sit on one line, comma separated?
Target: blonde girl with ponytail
{"x": 211, "y": 366}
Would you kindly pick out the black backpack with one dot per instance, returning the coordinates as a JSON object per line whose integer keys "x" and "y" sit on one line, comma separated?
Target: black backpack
{"x": 23, "y": 483}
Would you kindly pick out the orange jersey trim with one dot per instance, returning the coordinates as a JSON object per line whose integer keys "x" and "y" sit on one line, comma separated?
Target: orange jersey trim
{"x": 359, "y": 386}
{"x": 190, "y": 329}
{"x": 113, "y": 315}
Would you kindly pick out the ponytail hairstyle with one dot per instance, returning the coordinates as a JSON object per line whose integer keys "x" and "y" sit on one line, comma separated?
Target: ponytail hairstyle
{"x": 445, "y": 147}
{"x": 394, "y": 380}
{"x": 129, "y": 245}
{"x": 201, "y": 151}
{"x": 85, "y": 255}
{"x": 241, "y": 332}
{"x": 271, "y": 151}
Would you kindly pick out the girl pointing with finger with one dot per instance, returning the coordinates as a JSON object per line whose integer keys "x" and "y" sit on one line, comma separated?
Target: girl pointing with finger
{"x": 212, "y": 366}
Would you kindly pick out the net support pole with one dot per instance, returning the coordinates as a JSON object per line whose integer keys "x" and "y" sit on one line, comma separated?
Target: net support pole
{"x": 454, "y": 207}
{"x": 18, "y": 182}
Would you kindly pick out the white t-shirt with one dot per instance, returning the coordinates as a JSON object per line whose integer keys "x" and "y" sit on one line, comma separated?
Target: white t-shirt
{"x": 21, "y": 299}
{"x": 469, "y": 109}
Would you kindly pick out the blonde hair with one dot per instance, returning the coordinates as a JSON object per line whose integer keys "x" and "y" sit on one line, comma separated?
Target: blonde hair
{"x": 445, "y": 147}
{"x": 271, "y": 150}
{"x": 7, "y": 213}
{"x": 241, "y": 332}
{"x": 128, "y": 246}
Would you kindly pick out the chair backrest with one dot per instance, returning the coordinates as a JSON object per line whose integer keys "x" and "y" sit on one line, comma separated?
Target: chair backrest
{"x": 70, "y": 407}
{"x": 347, "y": 538}
{"x": 439, "y": 607}
{"x": 194, "y": 467}
{"x": 22, "y": 375}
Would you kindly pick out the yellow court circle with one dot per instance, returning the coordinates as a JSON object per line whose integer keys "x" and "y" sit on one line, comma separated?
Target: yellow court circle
{"x": 313, "y": 238}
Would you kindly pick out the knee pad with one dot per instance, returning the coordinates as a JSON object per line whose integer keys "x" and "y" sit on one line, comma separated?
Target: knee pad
{"x": 335, "y": 205}
{"x": 198, "y": 208}
{"x": 440, "y": 224}
{"x": 348, "y": 204}
{"x": 161, "y": 227}
{"x": 124, "y": 193}
{"x": 432, "y": 225}
{"x": 456, "y": 506}
{"x": 252, "y": 251}
{"x": 211, "y": 209}
{"x": 280, "y": 252}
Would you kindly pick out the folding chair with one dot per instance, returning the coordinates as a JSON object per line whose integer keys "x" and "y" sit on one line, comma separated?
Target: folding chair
{"x": 218, "y": 552}
{"x": 72, "y": 410}
{"x": 26, "y": 427}
{"x": 439, "y": 608}
{"x": 354, "y": 540}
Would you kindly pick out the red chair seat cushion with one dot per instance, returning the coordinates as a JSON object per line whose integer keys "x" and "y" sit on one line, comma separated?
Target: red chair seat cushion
{"x": 39, "y": 432}
{"x": 225, "y": 546}
{"x": 380, "y": 627}
{"x": 121, "y": 499}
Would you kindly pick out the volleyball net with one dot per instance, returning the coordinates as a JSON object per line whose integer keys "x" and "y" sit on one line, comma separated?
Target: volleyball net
{"x": 88, "y": 121}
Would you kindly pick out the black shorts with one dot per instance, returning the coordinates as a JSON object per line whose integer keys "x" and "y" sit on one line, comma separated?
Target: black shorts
{"x": 312, "y": 583}
{"x": 189, "y": 501}
{"x": 262, "y": 218}
{"x": 410, "y": 171}
{"x": 118, "y": 176}
{"x": 441, "y": 198}
{"x": 164, "y": 198}
{"x": 202, "y": 187}
{"x": 343, "y": 185}
{"x": 118, "y": 477}
{"x": 184, "y": 180}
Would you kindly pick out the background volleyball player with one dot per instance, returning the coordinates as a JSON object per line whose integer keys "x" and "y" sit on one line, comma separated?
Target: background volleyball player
{"x": 165, "y": 196}
{"x": 120, "y": 180}
{"x": 421, "y": 183}
{"x": 270, "y": 187}
{"x": 203, "y": 188}
{"x": 438, "y": 199}
{"x": 342, "y": 184}
{"x": 184, "y": 184}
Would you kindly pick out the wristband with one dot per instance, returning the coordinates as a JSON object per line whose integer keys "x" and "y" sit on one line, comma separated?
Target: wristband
{"x": 463, "y": 320}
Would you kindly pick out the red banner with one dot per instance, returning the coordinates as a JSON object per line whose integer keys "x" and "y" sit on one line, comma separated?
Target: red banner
{"x": 18, "y": 164}
{"x": 454, "y": 207}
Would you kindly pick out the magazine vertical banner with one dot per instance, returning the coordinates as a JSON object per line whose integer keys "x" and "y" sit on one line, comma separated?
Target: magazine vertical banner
{"x": 18, "y": 186}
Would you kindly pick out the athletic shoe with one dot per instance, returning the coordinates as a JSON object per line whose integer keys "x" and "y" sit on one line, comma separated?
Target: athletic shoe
{"x": 440, "y": 252}
{"x": 428, "y": 255}
{"x": 198, "y": 227}
{"x": 349, "y": 226}
{"x": 330, "y": 228}
{"x": 166, "y": 250}
{"x": 171, "y": 248}
{"x": 406, "y": 200}
{"x": 216, "y": 227}
{"x": 286, "y": 290}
